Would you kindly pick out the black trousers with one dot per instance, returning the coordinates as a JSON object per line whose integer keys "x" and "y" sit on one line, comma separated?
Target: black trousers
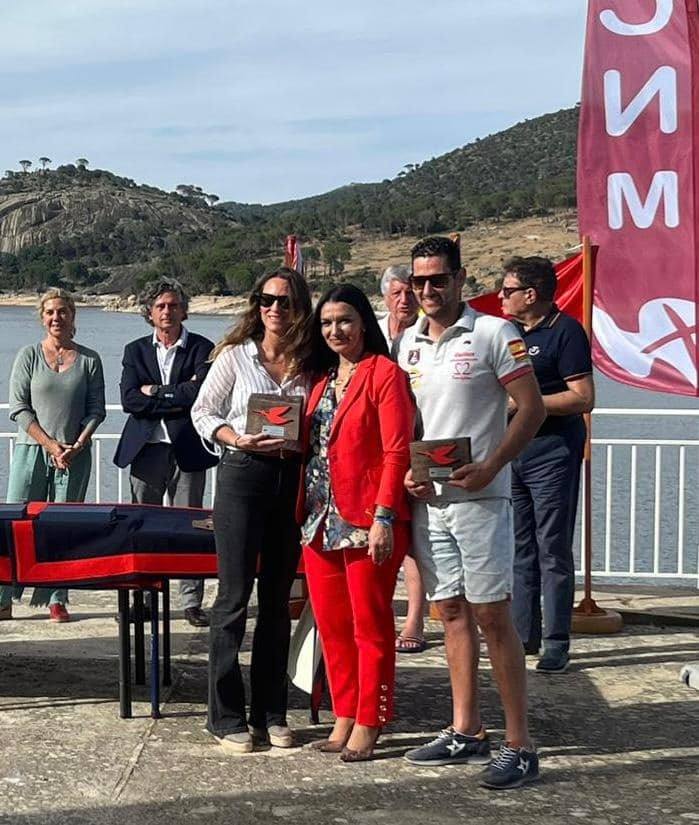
{"x": 256, "y": 532}
{"x": 545, "y": 481}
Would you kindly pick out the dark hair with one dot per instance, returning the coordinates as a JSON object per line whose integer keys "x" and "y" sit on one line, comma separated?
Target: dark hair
{"x": 297, "y": 338}
{"x": 154, "y": 289}
{"x": 535, "y": 272}
{"x": 322, "y": 357}
{"x": 438, "y": 247}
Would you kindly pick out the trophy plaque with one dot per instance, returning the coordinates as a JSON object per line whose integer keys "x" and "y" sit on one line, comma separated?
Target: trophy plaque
{"x": 277, "y": 416}
{"x": 435, "y": 460}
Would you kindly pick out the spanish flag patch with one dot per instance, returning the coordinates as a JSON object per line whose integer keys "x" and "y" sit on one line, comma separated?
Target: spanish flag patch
{"x": 517, "y": 349}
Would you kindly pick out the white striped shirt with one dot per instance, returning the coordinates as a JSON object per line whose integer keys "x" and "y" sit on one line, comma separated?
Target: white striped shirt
{"x": 236, "y": 373}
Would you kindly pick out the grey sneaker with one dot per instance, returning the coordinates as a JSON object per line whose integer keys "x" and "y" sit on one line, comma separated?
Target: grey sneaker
{"x": 452, "y": 748}
{"x": 236, "y": 742}
{"x": 278, "y": 736}
{"x": 511, "y": 768}
{"x": 553, "y": 660}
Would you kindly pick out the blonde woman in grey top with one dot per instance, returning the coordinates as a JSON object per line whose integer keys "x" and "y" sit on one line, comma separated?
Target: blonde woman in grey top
{"x": 57, "y": 399}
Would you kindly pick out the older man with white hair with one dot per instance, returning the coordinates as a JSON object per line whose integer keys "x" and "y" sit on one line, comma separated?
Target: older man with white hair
{"x": 400, "y": 302}
{"x": 402, "y": 313}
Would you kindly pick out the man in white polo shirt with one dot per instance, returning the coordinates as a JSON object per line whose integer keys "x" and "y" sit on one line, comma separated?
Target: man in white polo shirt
{"x": 462, "y": 367}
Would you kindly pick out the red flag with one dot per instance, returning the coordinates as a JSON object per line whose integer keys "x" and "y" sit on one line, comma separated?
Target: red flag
{"x": 292, "y": 254}
{"x": 638, "y": 169}
{"x": 569, "y": 292}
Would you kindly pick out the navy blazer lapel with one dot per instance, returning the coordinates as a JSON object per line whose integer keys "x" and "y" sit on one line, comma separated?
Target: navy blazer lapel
{"x": 150, "y": 358}
{"x": 178, "y": 363}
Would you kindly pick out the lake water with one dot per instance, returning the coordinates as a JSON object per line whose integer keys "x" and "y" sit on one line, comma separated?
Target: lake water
{"x": 108, "y": 332}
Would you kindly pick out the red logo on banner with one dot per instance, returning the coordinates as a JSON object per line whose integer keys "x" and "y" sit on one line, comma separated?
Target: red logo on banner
{"x": 637, "y": 171}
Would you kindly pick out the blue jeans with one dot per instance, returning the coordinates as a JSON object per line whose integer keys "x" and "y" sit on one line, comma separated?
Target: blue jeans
{"x": 545, "y": 480}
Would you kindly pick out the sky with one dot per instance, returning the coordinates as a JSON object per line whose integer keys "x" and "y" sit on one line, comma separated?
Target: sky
{"x": 271, "y": 100}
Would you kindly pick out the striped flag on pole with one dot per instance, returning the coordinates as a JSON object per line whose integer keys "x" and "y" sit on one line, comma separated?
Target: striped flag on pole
{"x": 292, "y": 254}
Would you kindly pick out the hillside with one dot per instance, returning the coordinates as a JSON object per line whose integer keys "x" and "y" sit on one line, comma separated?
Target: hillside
{"x": 527, "y": 168}
{"x": 84, "y": 227}
{"x": 93, "y": 230}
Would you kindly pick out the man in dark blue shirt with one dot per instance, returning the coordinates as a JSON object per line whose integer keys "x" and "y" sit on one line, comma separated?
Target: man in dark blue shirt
{"x": 546, "y": 474}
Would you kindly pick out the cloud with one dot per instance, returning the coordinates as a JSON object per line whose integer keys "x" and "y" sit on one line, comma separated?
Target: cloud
{"x": 277, "y": 100}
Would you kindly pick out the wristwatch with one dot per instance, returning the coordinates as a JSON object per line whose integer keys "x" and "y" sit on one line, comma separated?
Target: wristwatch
{"x": 153, "y": 390}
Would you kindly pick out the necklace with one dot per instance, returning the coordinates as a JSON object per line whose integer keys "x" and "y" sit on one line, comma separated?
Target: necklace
{"x": 342, "y": 382}
{"x": 58, "y": 360}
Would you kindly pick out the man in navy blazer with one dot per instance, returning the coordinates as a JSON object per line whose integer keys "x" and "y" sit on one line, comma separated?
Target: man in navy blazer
{"x": 160, "y": 379}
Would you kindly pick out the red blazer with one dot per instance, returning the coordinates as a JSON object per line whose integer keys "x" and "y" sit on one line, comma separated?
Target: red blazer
{"x": 368, "y": 452}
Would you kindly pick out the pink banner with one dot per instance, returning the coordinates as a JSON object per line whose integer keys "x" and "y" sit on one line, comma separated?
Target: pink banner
{"x": 638, "y": 173}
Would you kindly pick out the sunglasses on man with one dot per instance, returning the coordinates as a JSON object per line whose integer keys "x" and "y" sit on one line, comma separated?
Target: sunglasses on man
{"x": 507, "y": 291}
{"x": 267, "y": 300}
{"x": 439, "y": 280}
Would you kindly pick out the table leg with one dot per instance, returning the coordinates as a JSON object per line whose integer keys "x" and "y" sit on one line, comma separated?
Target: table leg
{"x": 124, "y": 656}
{"x": 167, "y": 655}
{"x": 139, "y": 639}
{"x": 154, "y": 657}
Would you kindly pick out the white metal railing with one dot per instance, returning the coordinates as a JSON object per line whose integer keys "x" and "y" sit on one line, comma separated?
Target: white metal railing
{"x": 646, "y": 525}
{"x": 664, "y": 548}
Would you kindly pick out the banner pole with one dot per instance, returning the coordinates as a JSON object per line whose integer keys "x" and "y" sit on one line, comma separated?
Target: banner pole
{"x": 588, "y": 617}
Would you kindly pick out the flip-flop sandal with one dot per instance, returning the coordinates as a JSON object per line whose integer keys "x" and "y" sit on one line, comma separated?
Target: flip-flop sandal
{"x": 410, "y": 644}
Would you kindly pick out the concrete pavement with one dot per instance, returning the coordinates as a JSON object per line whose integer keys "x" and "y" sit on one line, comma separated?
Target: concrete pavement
{"x": 618, "y": 736}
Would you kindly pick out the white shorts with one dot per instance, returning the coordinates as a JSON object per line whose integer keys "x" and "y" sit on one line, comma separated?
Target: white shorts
{"x": 465, "y": 548}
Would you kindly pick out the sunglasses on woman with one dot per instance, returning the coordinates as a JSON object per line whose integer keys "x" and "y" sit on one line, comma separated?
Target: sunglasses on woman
{"x": 266, "y": 300}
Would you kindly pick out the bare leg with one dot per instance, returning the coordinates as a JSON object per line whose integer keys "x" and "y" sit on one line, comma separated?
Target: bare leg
{"x": 414, "y": 621}
{"x": 507, "y": 659}
{"x": 462, "y": 647}
{"x": 341, "y": 729}
{"x": 363, "y": 738}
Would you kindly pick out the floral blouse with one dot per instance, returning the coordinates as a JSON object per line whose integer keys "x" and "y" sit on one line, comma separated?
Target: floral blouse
{"x": 321, "y": 510}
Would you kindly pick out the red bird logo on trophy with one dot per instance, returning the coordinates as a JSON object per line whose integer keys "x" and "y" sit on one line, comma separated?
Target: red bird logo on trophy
{"x": 275, "y": 415}
{"x": 441, "y": 455}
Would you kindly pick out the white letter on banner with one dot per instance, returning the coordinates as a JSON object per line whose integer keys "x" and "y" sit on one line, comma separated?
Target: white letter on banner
{"x": 662, "y": 82}
{"x": 621, "y": 186}
{"x": 663, "y": 12}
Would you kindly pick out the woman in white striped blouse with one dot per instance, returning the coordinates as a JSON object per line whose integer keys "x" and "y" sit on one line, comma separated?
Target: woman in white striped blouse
{"x": 256, "y": 490}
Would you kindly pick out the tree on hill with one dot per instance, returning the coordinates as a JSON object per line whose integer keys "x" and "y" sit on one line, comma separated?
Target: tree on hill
{"x": 336, "y": 253}
{"x": 212, "y": 199}
{"x": 82, "y": 163}
{"x": 44, "y": 162}
{"x": 25, "y": 164}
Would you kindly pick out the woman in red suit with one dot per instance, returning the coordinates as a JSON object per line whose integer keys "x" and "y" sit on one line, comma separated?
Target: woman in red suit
{"x": 359, "y": 423}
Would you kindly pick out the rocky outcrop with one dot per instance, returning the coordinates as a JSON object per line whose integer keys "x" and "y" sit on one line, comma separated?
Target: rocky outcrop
{"x": 32, "y": 218}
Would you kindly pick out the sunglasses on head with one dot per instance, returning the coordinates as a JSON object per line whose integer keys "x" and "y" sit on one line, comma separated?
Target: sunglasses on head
{"x": 438, "y": 281}
{"x": 266, "y": 300}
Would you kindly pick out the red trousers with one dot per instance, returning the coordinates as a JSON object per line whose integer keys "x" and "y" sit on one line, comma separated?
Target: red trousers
{"x": 352, "y": 601}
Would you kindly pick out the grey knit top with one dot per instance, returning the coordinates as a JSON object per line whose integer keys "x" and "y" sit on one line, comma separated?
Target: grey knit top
{"x": 61, "y": 402}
